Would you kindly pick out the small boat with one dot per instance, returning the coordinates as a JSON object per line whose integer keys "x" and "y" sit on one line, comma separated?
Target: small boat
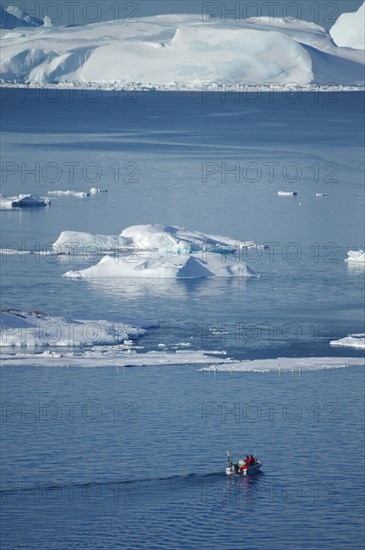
{"x": 241, "y": 468}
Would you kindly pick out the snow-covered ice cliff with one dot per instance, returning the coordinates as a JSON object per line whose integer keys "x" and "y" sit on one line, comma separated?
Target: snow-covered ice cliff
{"x": 182, "y": 52}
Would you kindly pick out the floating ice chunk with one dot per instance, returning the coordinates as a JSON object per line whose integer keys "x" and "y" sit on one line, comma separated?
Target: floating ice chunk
{"x": 357, "y": 256}
{"x": 96, "y": 190}
{"x": 35, "y": 329}
{"x": 287, "y": 193}
{"x": 79, "y": 194}
{"x": 22, "y": 201}
{"x": 352, "y": 341}
{"x": 13, "y": 251}
{"x": 165, "y": 266}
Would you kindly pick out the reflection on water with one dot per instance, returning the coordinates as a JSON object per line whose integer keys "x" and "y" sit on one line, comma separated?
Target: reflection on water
{"x": 166, "y": 288}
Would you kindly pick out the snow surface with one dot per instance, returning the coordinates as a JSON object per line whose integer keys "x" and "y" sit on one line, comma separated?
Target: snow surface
{"x": 35, "y": 329}
{"x": 357, "y": 256}
{"x": 352, "y": 341}
{"x": 23, "y": 201}
{"x": 180, "y": 52}
{"x": 286, "y": 364}
{"x": 157, "y": 237}
{"x": 349, "y": 29}
{"x": 77, "y": 241}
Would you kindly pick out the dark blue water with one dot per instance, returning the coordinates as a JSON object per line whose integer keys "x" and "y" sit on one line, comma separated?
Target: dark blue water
{"x": 97, "y": 458}
{"x": 135, "y": 458}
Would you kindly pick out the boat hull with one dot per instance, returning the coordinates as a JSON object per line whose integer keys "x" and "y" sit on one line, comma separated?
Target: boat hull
{"x": 233, "y": 470}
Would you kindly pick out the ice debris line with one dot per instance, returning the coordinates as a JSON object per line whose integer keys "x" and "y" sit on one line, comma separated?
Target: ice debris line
{"x": 184, "y": 52}
{"x": 36, "y": 329}
{"x": 22, "y": 201}
{"x": 158, "y": 251}
{"x": 78, "y": 194}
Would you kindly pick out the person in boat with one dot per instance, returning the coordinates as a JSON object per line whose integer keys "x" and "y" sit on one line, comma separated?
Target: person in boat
{"x": 250, "y": 461}
{"x": 253, "y": 460}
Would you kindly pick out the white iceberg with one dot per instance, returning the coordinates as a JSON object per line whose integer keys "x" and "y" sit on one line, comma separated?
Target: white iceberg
{"x": 180, "y": 52}
{"x": 349, "y": 29}
{"x": 356, "y": 256}
{"x": 35, "y": 329}
{"x": 356, "y": 341}
{"x": 166, "y": 265}
{"x": 158, "y": 237}
{"x": 23, "y": 201}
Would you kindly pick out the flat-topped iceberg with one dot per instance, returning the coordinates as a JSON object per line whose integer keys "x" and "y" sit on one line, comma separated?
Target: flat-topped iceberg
{"x": 356, "y": 256}
{"x": 35, "y": 329}
{"x": 182, "y": 52}
{"x": 22, "y": 201}
{"x": 157, "y": 237}
{"x": 169, "y": 266}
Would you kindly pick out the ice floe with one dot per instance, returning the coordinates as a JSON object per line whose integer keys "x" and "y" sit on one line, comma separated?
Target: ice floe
{"x": 286, "y": 364}
{"x": 23, "y": 201}
{"x": 356, "y": 341}
{"x": 356, "y": 256}
{"x": 35, "y": 329}
{"x": 112, "y": 358}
